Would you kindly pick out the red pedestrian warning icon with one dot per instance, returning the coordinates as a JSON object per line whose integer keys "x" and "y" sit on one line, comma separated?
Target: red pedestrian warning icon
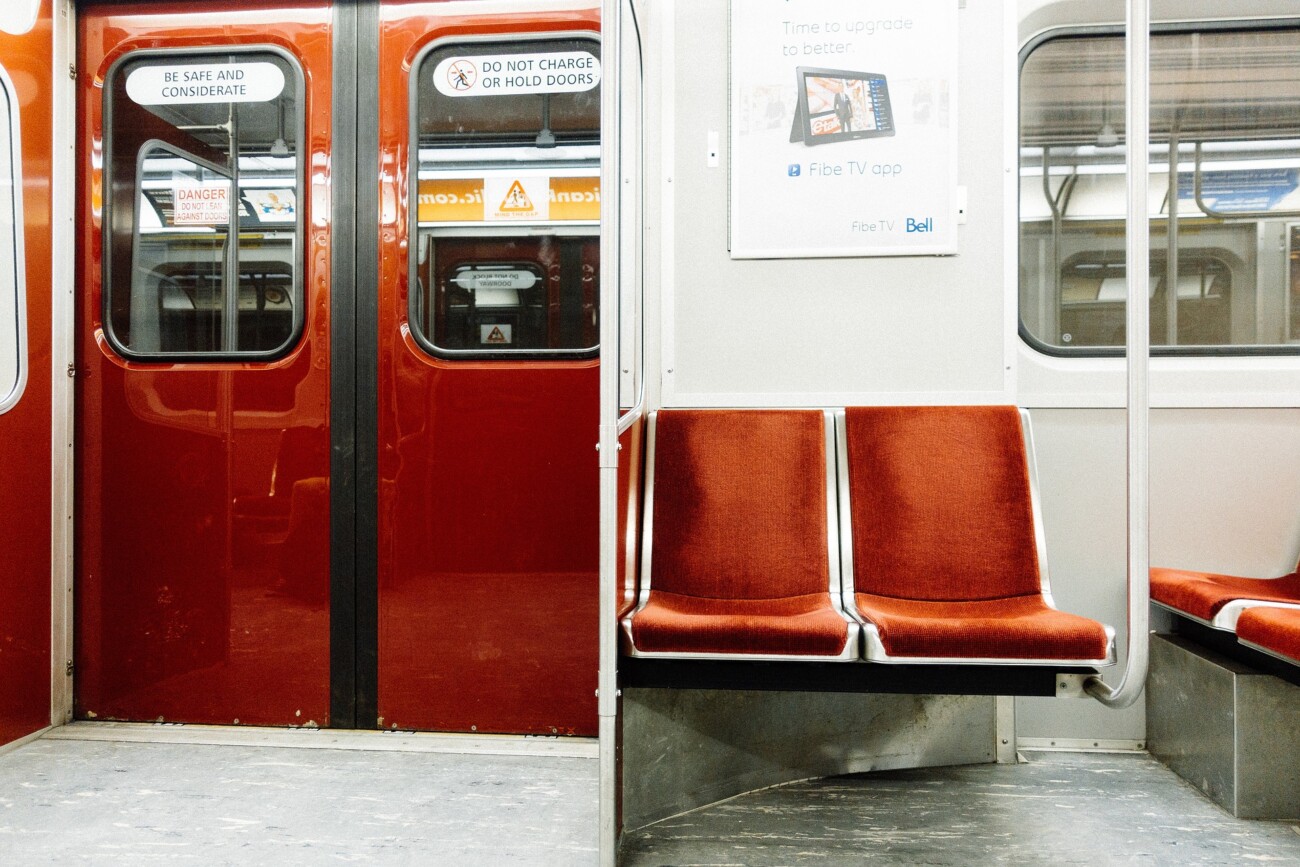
{"x": 495, "y": 336}
{"x": 516, "y": 199}
{"x": 461, "y": 75}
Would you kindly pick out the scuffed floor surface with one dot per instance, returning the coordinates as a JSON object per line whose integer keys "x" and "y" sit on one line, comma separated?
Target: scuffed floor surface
{"x": 75, "y": 802}
{"x": 1059, "y": 808}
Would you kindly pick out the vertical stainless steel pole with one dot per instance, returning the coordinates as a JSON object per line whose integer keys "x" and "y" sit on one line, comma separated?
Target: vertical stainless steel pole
{"x": 1138, "y": 134}
{"x": 611, "y": 28}
{"x": 1171, "y": 242}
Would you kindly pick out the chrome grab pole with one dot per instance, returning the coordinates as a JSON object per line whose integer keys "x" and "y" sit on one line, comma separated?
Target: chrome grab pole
{"x": 611, "y": 21}
{"x": 1138, "y": 134}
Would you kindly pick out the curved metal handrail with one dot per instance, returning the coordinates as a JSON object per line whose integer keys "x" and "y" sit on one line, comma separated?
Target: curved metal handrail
{"x": 1138, "y": 356}
{"x": 629, "y": 418}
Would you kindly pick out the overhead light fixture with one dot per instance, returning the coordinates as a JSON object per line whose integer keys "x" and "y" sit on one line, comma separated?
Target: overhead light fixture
{"x": 278, "y": 147}
{"x": 1106, "y": 136}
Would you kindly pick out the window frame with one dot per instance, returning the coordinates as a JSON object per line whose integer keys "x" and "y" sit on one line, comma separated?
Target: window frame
{"x": 13, "y": 116}
{"x": 1095, "y": 31}
{"x": 299, "y": 259}
{"x": 500, "y": 230}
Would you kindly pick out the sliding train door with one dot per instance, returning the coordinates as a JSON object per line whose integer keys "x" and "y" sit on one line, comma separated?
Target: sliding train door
{"x": 337, "y": 376}
{"x": 203, "y": 440}
{"x": 488, "y": 382}
{"x": 26, "y": 296}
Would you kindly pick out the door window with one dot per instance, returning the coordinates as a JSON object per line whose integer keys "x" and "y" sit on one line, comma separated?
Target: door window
{"x": 203, "y": 220}
{"x": 506, "y": 178}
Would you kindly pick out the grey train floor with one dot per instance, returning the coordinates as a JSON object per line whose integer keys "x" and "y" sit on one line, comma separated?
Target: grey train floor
{"x": 1057, "y": 808}
{"x": 92, "y": 803}
{"x": 110, "y": 803}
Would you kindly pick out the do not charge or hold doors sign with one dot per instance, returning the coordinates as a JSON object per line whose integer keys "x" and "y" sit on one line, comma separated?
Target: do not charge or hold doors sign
{"x": 205, "y": 83}
{"x": 512, "y": 74}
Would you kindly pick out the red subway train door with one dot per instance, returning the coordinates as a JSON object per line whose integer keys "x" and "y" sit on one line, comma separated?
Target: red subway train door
{"x": 337, "y": 379}
{"x": 26, "y": 127}
{"x": 203, "y": 441}
{"x": 488, "y": 381}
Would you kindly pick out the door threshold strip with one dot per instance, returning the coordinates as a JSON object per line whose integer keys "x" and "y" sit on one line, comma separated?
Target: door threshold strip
{"x": 328, "y": 739}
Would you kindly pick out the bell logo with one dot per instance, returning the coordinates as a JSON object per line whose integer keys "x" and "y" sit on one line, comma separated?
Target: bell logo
{"x": 926, "y": 225}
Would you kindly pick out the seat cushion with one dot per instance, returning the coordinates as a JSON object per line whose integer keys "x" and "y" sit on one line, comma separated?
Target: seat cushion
{"x": 1019, "y": 627}
{"x": 1202, "y": 594}
{"x": 1277, "y": 629}
{"x": 789, "y": 625}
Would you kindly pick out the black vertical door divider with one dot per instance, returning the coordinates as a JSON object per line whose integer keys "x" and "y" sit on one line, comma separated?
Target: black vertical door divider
{"x": 354, "y": 366}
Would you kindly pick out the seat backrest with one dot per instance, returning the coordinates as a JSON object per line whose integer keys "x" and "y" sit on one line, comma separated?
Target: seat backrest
{"x": 739, "y": 503}
{"x": 940, "y": 503}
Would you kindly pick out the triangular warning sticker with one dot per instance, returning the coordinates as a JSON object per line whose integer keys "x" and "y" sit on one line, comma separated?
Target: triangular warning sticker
{"x": 517, "y": 199}
{"x": 495, "y": 336}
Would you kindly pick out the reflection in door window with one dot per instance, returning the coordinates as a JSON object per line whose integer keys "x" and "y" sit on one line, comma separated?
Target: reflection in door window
{"x": 202, "y": 219}
{"x": 13, "y": 350}
{"x": 506, "y": 188}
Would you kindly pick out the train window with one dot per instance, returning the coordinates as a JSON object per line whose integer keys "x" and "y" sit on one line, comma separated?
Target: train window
{"x": 1224, "y": 191}
{"x": 202, "y": 227}
{"x": 13, "y": 350}
{"x": 506, "y": 183}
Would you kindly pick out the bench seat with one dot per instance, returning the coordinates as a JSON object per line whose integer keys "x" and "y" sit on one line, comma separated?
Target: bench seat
{"x": 1218, "y": 600}
{"x": 1274, "y": 631}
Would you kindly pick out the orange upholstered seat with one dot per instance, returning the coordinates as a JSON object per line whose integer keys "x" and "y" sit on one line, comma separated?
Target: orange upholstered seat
{"x": 793, "y": 625}
{"x": 1021, "y": 628}
{"x": 737, "y": 553}
{"x": 945, "y": 554}
{"x": 1219, "y": 599}
{"x": 1273, "y": 630}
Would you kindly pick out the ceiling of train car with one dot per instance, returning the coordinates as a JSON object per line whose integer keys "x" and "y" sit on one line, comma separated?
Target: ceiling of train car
{"x": 259, "y": 124}
{"x": 1218, "y": 86}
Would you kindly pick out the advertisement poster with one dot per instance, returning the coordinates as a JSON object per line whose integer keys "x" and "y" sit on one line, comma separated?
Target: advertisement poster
{"x": 843, "y": 128}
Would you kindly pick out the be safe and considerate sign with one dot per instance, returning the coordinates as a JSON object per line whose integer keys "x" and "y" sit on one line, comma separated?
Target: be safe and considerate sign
{"x": 843, "y": 128}
{"x": 19, "y": 16}
{"x": 194, "y": 84}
